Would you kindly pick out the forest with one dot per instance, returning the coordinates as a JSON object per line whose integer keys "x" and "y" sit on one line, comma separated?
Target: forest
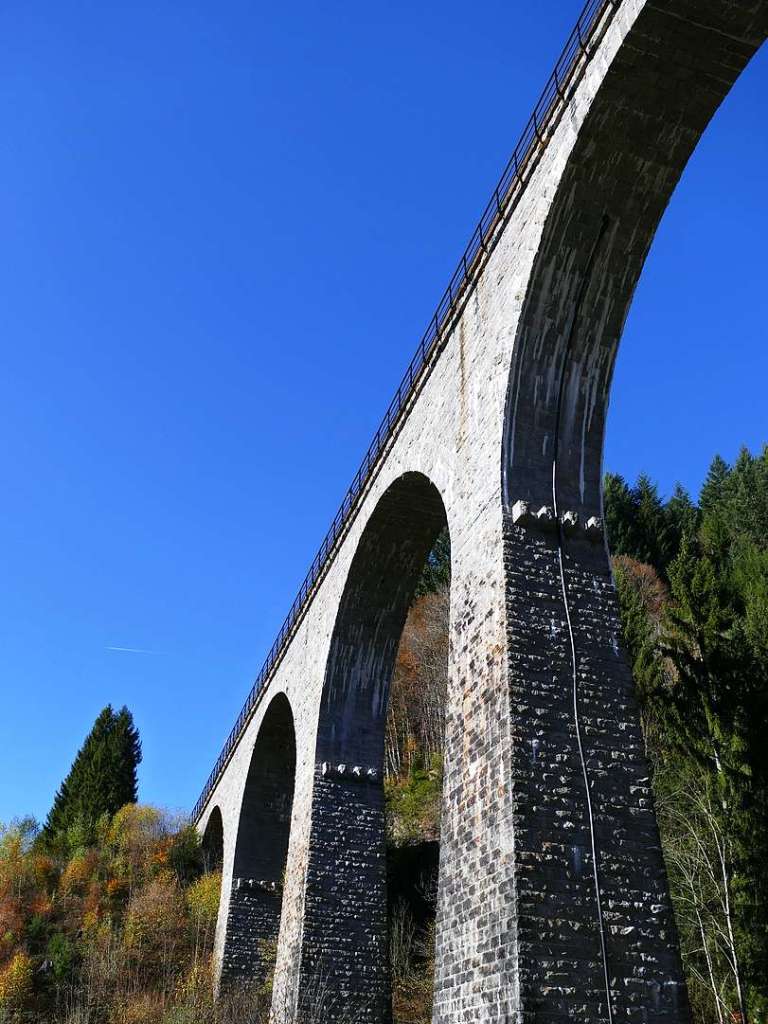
{"x": 108, "y": 909}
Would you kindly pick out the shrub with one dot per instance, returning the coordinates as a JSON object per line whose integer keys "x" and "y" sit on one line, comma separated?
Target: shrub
{"x": 61, "y": 953}
{"x": 16, "y": 983}
{"x": 154, "y": 923}
{"x": 413, "y": 803}
{"x": 141, "y": 1008}
{"x": 185, "y": 854}
{"x": 202, "y": 899}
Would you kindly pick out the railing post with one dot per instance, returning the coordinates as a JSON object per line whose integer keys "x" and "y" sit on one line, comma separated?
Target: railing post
{"x": 536, "y": 128}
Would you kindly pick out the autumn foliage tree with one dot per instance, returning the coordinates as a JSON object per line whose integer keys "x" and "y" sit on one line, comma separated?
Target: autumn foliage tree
{"x": 117, "y": 929}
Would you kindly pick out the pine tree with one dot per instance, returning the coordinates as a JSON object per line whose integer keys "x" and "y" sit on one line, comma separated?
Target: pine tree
{"x": 620, "y": 511}
{"x": 682, "y": 517}
{"x": 654, "y": 543}
{"x": 102, "y": 777}
{"x": 715, "y": 485}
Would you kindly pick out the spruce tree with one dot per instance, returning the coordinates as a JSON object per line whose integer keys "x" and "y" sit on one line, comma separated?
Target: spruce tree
{"x": 747, "y": 502}
{"x": 638, "y": 522}
{"x": 703, "y": 685}
{"x": 654, "y": 544}
{"x": 716, "y": 711}
{"x": 620, "y": 511}
{"x": 642, "y": 598}
{"x": 682, "y": 517}
{"x": 102, "y": 777}
{"x": 715, "y": 486}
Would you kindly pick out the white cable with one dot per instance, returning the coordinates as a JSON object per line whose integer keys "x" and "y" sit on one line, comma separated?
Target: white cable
{"x": 585, "y": 773}
{"x": 574, "y": 658}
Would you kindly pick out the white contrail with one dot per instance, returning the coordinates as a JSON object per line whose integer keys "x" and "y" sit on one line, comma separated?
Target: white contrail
{"x": 131, "y": 650}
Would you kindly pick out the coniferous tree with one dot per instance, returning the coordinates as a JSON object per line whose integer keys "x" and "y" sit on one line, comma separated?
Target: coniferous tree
{"x": 716, "y": 709}
{"x": 654, "y": 542}
{"x": 703, "y": 683}
{"x": 682, "y": 517}
{"x": 750, "y": 580}
{"x": 642, "y": 599}
{"x": 102, "y": 777}
{"x": 715, "y": 485}
{"x": 747, "y": 497}
{"x": 620, "y": 513}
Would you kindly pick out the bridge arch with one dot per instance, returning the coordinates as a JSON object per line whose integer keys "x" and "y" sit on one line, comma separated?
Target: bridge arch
{"x": 634, "y": 124}
{"x": 212, "y": 842}
{"x": 668, "y": 76}
{"x": 345, "y": 950}
{"x": 261, "y": 849}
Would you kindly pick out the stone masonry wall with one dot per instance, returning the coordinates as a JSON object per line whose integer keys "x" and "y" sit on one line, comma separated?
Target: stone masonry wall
{"x": 252, "y": 928}
{"x": 523, "y": 376}
{"x": 345, "y": 952}
{"x": 345, "y": 959}
{"x": 560, "y": 957}
{"x": 256, "y": 898}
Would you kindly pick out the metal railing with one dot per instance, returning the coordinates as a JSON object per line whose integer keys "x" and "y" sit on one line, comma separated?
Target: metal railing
{"x": 512, "y": 181}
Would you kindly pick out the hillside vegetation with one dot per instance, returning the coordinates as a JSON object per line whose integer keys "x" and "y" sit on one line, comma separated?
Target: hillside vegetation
{"x": 693, "y": 587}
{"x": 109, "y": 923}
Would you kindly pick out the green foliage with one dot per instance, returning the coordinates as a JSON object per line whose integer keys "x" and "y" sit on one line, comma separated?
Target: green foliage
{"x": 619, "y": 511}
{"x": 717, "y": 709}
{"x": 16, "y": 982}
{"x": 715, "y": 485}
{"x": 185, "y": 854}
{"x": 62, "y": 955}
{"x": 682, "y": 517}
{"x": 413, "y": 802}
{"x": 202, "y": 898}
{"x": 116, "y": 928}
{"x": 437, "y": 570}
{"x": 101, "y": 780}
{"x": 701, "y": 665}
{"x": 642, "y": 598}
{"x": 640, "y": 526}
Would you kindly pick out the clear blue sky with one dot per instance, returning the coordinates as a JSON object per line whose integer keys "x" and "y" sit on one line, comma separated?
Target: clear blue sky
{"x": 223, "y": 229}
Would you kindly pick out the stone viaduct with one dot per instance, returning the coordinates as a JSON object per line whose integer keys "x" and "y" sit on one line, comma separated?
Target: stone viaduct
{"x": 553, "y": 902}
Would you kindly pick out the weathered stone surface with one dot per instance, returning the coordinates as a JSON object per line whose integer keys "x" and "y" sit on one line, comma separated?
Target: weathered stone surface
{"x": 256, "y": 889}
{"x": 545, "y": 774}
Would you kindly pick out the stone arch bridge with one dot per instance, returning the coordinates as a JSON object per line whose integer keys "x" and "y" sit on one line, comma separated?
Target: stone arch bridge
{"x": 553, "y": 902}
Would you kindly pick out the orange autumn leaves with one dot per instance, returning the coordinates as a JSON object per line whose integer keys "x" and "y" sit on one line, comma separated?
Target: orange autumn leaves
{"x": 126, "y": 917}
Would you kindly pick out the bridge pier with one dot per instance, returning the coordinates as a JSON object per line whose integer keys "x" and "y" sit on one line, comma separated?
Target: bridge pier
{"x": 344, "y": 958}
{"x": 596, "y": 937}
{"x": 345, "y": 954}
{"x": 253, "y": 924}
